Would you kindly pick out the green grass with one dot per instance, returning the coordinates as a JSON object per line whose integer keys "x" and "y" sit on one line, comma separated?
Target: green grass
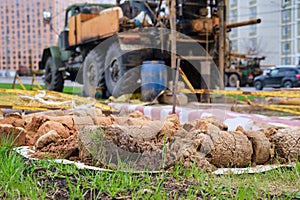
{"x": 67, "y": 89}
{"x": 17, "y": 86}
{"x": 27, "y": 179}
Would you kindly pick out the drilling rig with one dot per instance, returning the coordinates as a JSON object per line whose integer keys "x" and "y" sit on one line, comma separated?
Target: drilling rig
{"x": 102, "y": 45}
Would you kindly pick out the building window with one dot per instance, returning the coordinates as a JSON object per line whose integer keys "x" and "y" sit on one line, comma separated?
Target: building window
{"x": 298, "y": 10}
{"x": 252, "y": 29}
{"x": 298, "y": 45}
{"x": 252, "y": 45}
{"x": 286, "y": 31}
{"x": 233, "y": 15}
{"x": 233, "y": 32}
{"x": 286, "y": 47}
{"x": 252, "y": 12}
{"x": 287, "y": 14}
{"x": 234, "y": 45}
{"x": 233, "y": 2}
{"x": 286, "y": 3}
{"x": 286, "y": 61}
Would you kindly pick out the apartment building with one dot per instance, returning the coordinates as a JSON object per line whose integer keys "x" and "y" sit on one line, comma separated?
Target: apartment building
{"x": 278, "y": 35}
{"x": 23, "y": 35}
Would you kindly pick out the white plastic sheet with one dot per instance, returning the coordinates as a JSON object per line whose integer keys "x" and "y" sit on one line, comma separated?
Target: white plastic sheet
{"x": 25, "y": 151}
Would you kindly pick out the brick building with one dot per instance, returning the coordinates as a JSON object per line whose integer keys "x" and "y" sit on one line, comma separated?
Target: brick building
{"x": 23, "y": 34}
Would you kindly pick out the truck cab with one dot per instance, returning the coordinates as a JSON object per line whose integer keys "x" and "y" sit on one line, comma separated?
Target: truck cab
{"x": 64, "y": 60}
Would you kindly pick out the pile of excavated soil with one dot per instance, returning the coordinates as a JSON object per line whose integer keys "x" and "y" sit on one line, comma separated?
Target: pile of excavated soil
{"x": 135, "y": 141}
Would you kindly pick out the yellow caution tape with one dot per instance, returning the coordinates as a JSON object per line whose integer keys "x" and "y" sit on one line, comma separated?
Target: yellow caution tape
{"x": 14, "y": 99}
{"x": 11, "y": 98}
{"x": 294, "y": 109}
{"x": 291, "y": 94}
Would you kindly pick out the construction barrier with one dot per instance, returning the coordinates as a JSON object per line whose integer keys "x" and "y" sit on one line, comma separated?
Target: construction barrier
{"x": 34, "y": 81}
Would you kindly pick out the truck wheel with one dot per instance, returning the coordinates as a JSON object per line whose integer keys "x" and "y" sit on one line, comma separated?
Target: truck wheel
{"x": 128, "y": 84}
{"x": 53, "y": 78}
{"x": 118, "y": 78}
{"x": 93, "y": 73}
{"x": 225, "y": 80}
{"x": 258, "y": 85}
{"x": 288, "y": 84}
{"x": 233, "y": 78}
{"x": 114, "y": 68}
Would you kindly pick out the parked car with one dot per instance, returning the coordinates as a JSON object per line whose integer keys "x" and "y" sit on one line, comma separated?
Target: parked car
{"x": 286, "y": 76}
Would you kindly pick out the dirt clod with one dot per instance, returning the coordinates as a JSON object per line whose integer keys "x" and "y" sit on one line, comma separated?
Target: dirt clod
{"x": 15, "y": 134}
{"x": 287, "y": 144}
{"x": 231, "y": 149}
{"x": 52, "y": 125}
{"x": 34, "y": 125}
{"x": 51, "y": 136}
{"x": 138, "y": 114}
{"x": 61, "y": 148}
{"x": 66, "y": 120}
{"x": 16, "y": 122}
{"x": 261, "y": 146}
{"x": 104, "y": 121}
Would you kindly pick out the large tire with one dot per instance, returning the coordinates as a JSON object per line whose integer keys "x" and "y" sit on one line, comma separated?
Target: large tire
{"x": 118, "y": 78}
{"x": 114, "y": 67}
{"x": 129, "y": 82}
{"x": 93, "y": 74}
{"x": 53, "y": 78}
{"x": 288, "y": 84}
{"x": 225, "y": 80}
{"x": 233, "y": 78}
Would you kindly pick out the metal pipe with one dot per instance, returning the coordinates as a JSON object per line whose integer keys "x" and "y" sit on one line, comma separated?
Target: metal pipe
{"x": 244, "y": 23}
{"x": 173, "y": 50}
{"x": 222, "y": 38}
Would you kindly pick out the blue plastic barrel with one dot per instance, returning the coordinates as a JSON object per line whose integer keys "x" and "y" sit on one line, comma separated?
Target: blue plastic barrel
{"x": 154, "y": 79}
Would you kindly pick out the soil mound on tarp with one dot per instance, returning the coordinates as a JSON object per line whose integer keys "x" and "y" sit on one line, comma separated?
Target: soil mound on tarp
{"x": 136, "y": 141}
